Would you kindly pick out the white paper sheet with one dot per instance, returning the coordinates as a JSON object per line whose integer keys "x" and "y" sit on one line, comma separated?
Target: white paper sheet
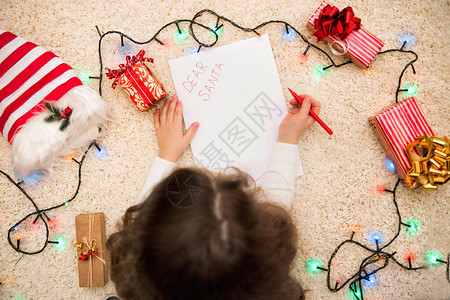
{"x": 234, "y": 92}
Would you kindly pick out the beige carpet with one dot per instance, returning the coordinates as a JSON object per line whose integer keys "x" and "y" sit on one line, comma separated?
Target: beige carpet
{"x": 340, "y": 171}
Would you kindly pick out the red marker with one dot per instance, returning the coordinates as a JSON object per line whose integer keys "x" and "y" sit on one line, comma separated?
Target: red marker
{"x": 311, "y": 113}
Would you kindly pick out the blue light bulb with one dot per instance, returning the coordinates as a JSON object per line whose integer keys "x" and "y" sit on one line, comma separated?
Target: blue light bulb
{"x": 407, "y": 37}
{"x": 127, "y": 49}
{"x": 191, "y": 50}
{"x": 31, "y": 180}
{"x": 389, "y": 165}
{"x": 288, "y": 36}
{"x": 370, "y": 281}
{"x": 100, "y": 152}
{"x": 375, "y": 237}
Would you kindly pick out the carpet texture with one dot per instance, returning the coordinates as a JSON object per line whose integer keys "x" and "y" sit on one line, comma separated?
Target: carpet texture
{"x": 341, "y": 171}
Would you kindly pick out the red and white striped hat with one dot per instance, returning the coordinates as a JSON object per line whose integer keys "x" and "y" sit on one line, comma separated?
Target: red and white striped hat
{"x": 29, "y": 76}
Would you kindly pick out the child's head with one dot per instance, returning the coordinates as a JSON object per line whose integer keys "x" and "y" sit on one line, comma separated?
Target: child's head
{"x": 199, "y": 236}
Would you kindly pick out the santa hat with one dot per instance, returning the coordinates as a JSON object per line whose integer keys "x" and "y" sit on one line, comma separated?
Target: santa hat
{"x": 45, "y": 110}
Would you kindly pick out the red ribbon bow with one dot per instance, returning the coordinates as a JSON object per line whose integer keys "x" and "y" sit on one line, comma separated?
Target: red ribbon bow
{"x": 331, "y": 22}
{"x": 85, "y": 256}
{"x": 128, "y": 65}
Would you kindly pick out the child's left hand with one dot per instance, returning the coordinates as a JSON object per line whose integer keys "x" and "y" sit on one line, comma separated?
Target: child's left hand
{"x": 169, "y": 130}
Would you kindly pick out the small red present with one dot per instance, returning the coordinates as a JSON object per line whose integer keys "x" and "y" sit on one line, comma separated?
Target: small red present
{"x": 396, "y": 128}
{"x": 344, "y": 32}
{"x": 138, "y": 80}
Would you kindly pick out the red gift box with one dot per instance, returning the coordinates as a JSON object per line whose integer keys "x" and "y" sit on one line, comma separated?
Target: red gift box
{"x": 137, "y": 79}
{"x": 397, "y": 127}
{"x": 363, "y": 46}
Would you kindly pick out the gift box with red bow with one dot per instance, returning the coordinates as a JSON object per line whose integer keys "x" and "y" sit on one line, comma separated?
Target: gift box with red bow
{"x": 344, "y": 33}
{"x": 138, "y": 80}
{"x": 396, "y": 128}
{"x": 90, "y": 246}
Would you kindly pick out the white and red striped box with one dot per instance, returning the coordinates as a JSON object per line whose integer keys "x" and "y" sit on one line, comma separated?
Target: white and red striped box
{"x": 397, "y": 127}
{"x": 363, "y": 46}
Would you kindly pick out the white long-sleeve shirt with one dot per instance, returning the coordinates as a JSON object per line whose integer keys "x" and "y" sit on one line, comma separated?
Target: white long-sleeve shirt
{"x": 278, "y": 182}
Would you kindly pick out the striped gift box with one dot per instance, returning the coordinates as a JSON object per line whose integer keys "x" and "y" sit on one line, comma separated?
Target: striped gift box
{"x": 397, "y": 127}
{"x": 362, "y": 45}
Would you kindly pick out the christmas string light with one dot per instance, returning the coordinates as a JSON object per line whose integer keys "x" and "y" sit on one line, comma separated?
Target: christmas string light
{"x": 31, "y": 180}
{"x": 60, "y": 242}
{"x": 410, "y": 89}
{"x": 84, "y": 76}
{"x": 100, "y": 152}
{"x": 217, "y": 31}
{"x": 412, "y": 227}
{"x": 314, "y": 266}
{"x": 365, "y": 277}
{"x": 406, "y": 39}
{"x": 389, "y": 165}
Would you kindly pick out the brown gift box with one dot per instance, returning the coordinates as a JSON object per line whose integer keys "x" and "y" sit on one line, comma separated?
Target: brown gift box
{"x": 91, "y": 229}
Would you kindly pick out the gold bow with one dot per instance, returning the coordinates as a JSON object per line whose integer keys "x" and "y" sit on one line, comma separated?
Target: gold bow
{"x": 430, "y": 158}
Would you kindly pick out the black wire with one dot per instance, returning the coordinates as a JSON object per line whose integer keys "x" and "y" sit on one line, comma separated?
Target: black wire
{"x": 357, "y": 277}
{"x": 379, "y": 251}
{"x": 404, "y": 69}
{"x": 41, "y": 212}
{"x": 245, "y": 29}
{"x": 153, "y": 38}
{"x": 376, "y": 255}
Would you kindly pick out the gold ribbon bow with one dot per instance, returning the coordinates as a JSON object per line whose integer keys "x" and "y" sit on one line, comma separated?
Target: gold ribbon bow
{"x": 430, "y": 158}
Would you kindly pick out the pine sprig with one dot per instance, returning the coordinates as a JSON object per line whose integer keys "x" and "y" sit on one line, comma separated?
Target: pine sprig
{"x": 64, "y": 124}
{"x": 51, "y": 108}
{"x": 57, "y": 115}
{"x": 50, "y": 119}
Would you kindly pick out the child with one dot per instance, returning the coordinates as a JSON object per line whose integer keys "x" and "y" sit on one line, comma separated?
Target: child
{"x": 195, "y": 234}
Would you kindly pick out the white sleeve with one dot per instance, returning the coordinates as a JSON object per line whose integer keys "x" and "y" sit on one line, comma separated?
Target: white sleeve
{"x": 159, "y": 170}
{"x": 278, "y": 182}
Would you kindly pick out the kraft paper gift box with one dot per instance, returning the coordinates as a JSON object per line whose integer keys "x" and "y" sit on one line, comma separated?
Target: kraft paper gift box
{"x": 363, "y": 46}
{"x": 91, "y": 253}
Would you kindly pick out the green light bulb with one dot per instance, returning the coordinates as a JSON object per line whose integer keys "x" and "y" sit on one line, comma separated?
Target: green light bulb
{"x": 84, "y": 76}
{"x": 411, "y": 89}
{"x": 413, "y": 227}
{"x": 181, "y": 35}
{"x": 432, "y": 258}
{"x": 62, "y": 243}
{"x": 218, "y": 31}
{"x": 313, "y": 266}
{"x": 354, "y": 292}
{"x": 320, "y": 70}
{"x": 66, "y": 203}
{"x": 19, "y": 297}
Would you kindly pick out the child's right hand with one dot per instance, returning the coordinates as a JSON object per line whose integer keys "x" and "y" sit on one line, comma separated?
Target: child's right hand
{"x": 298, "y": 119}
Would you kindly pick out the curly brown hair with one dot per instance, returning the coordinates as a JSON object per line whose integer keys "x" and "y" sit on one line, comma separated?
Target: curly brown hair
{"x": 199, "y": 236}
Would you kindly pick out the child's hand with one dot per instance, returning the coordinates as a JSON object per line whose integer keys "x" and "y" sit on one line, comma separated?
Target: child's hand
{"x": 298, "y": 119}
{"x": 169, "y": 130}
